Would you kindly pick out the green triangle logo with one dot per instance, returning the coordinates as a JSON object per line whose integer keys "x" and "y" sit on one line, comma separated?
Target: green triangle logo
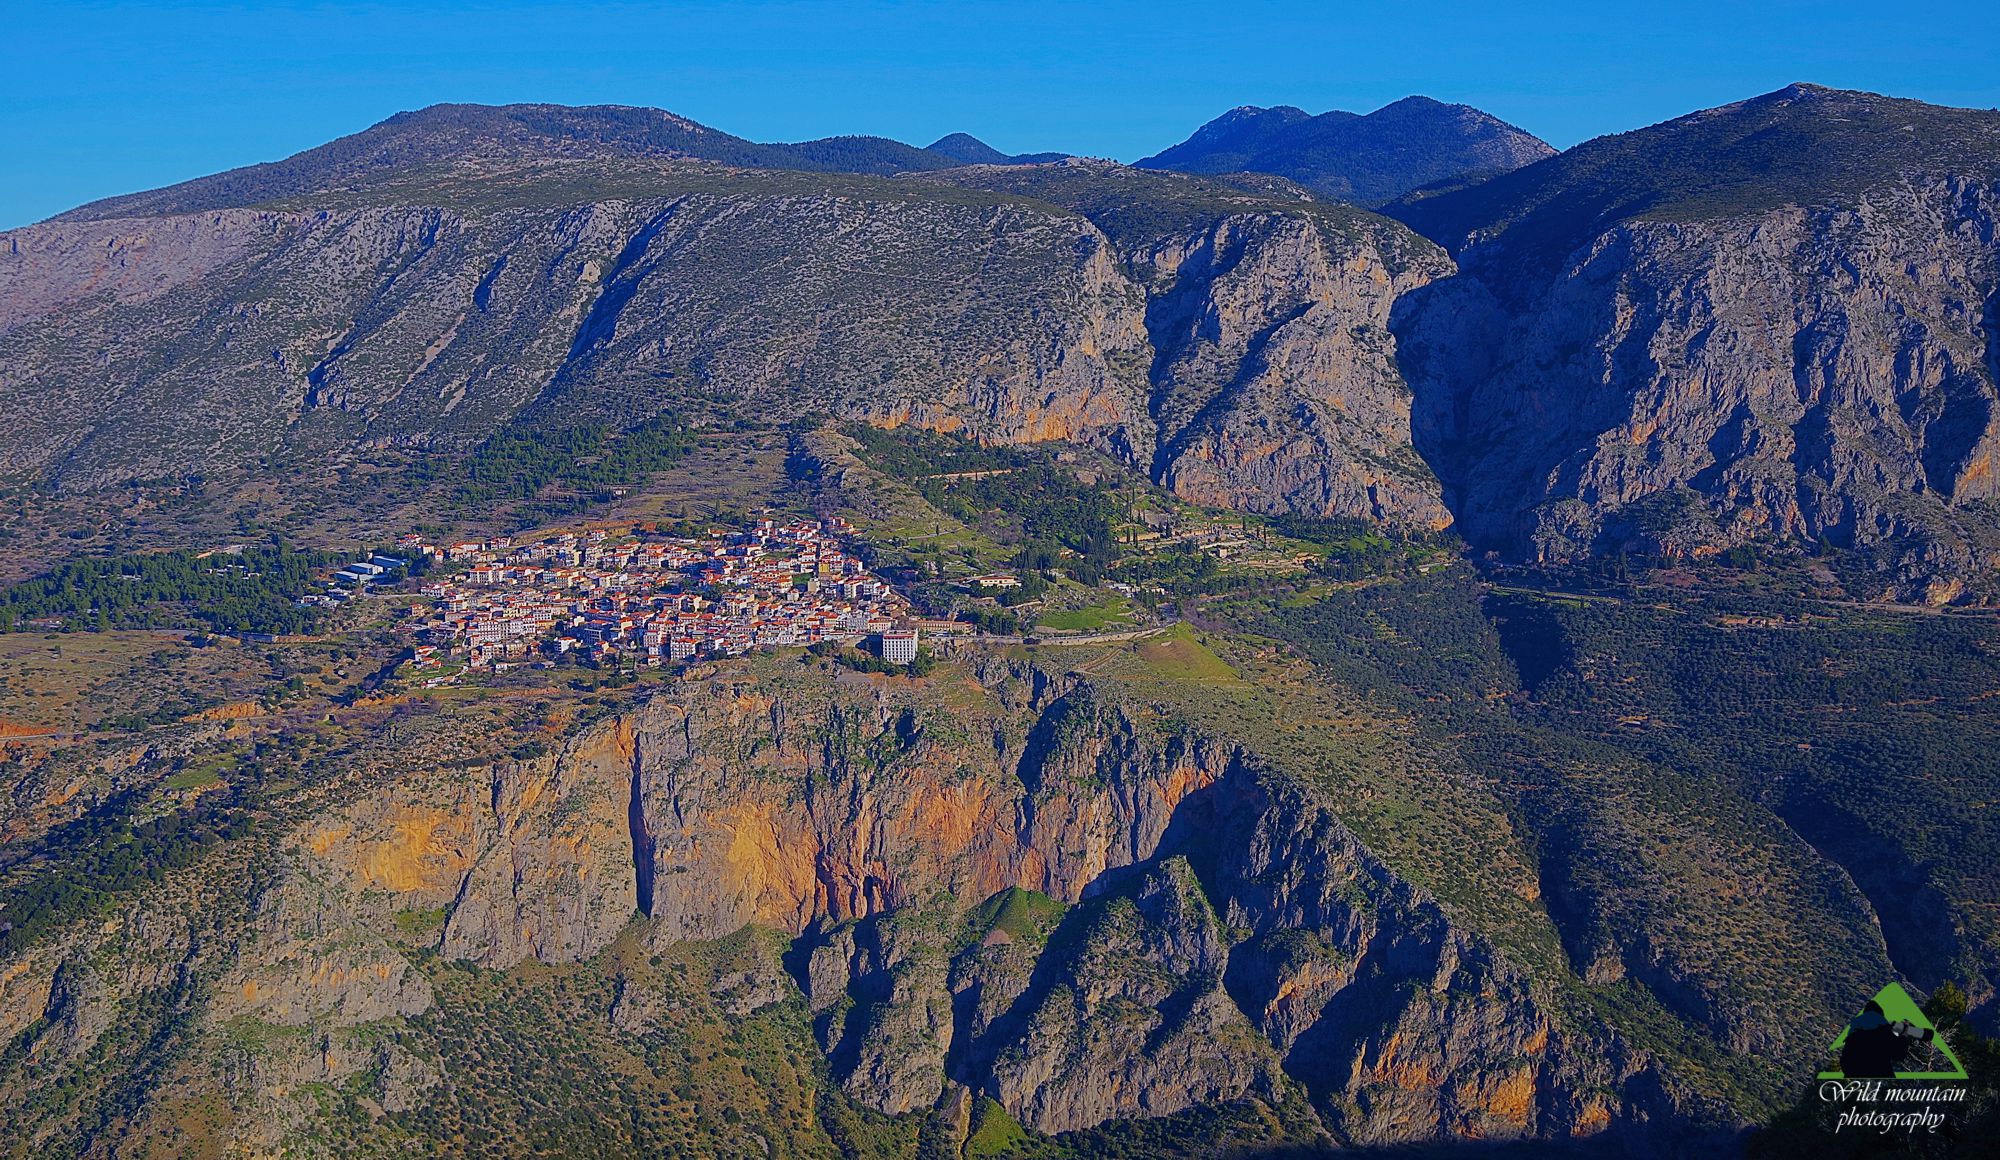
{"x": 1892, "y": 1039}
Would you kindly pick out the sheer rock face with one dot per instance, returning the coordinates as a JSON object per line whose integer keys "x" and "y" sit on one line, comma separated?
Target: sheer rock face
{"x": 556, "y": 881}
{"x": 528, "y": 860}
{"x": 1276, "y": 386}
{"x": 1243, "y": 359}
{"x": 1682, "y": 385}
{"x": 1225, "y": 937}
{"x": 1379, "y": 1004}
{"x": 883, "y": 1011}
{"x": 1042, "y": 894}
{"x": 1129, "y": 1015}
{"x": 854, "y": 809}
{"x": 307, "y": 962}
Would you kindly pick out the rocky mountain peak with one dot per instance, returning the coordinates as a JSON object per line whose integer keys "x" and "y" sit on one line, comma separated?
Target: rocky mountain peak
{"x": 1763, "y": 257}
{"x": 446, "y": 134}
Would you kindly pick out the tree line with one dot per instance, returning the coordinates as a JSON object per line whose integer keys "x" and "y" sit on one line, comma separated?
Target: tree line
{"x": 254, "y": 590}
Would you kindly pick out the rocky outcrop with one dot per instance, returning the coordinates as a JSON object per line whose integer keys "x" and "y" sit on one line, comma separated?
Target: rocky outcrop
{"x": 1686, "y": 385}
{"x": 261, "y": 989}
{"x": 527, "y": 860}
{"x": 59, "y": 996}
{"x": 1276, "y": 385}
{"x": 555, "y": 880}
{"x": 1127, "y": 1016}
{"x": 78, "y": 1009}
{"x": 1206, "y": 930}
{"x": 306, "y": 961}
{"x": 1391, "y": 1015}
{"x": 1774, "y": 319}
{"x": 882, "y": 1010}
{"x": 1005, "y": 885}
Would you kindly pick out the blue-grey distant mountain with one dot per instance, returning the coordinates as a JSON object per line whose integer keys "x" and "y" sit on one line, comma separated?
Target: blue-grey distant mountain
{"x": 1229, "y": 143}
{"x": 1370, "y": 159}
{"x": 969, "y": 150}
{"x": 508, "y": 133}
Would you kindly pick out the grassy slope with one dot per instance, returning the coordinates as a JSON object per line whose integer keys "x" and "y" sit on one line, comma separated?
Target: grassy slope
{"x": 1670, "y": 771}
{"x": 1872, "y": 732}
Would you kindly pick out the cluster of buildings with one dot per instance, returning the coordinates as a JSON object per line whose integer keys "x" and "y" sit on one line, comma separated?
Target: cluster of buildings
{"x": 655, "y": 599}
{"x": 355, "y": 578}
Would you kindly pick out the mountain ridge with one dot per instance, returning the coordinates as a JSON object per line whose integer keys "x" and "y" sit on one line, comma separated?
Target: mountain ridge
{"x": 444, "y": 132}
{"x": 1420, "y": 690}
{"x": 1374, "y": 396}
{"x": 1775, "y": 317}
{"x": 1747, "y": 155}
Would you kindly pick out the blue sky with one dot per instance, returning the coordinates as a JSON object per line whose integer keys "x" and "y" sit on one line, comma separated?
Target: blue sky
{"x": 104, "y": 98}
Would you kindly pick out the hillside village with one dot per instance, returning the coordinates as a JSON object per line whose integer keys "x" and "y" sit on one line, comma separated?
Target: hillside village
{"x": 653, "y": 599}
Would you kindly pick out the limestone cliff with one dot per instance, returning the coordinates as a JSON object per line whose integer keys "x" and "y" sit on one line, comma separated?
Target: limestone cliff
{"x": 1796, "y": 374}
{"x": 1000, "y": 884}
{"x": 528, "y": 860}
{"x": 1226, "y": 937}
{"x": 1771, "y": 319}
{"x": 1795, "y": 339}
{"x": 1126, "y": 1015}
{"x": 1276, "y": 381}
